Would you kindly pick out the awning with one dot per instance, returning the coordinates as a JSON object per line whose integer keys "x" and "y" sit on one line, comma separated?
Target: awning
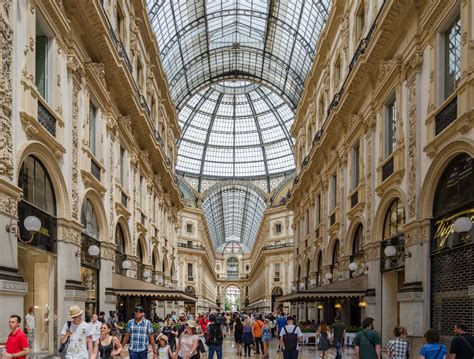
{"x": 354, "y": 287}
{"x": 127, "y": 286}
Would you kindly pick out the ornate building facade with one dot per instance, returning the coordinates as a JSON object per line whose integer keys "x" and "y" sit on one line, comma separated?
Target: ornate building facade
{"x": 383, "y": 138}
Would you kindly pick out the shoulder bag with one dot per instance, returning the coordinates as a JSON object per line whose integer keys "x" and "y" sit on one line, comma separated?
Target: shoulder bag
{"x": 468, "y": 344}
{"x": 63, "y": 346}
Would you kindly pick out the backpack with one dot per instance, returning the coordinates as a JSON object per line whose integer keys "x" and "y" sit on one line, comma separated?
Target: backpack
{"x": 214, "y": 337}
{"x": 63, "y": 346}
{"x": 290, "y": 340}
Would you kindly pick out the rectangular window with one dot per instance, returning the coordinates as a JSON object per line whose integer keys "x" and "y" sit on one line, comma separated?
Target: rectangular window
{"x": 122, "y": 166}
{"x": 306, "y": 220}
{"x": 278, "y": 228}
{"x": 41, "y": 65}
{"x": 355, "y": 166}
{"x": 277, "y": 271}
{"x": 92, "y": 128}
{"x": 139, "y": 74}
{"x": 360, "y": 21}
{"x": 190, "y": 270}
{"x": 390, "y": 127}
{"x": 337, "y": 72}
{"x": 120, "y": 23}
{"x": 452, "y": 56}
{"x": 189, "y": 228}
{"x": 154, "y": 207}
{"x": 333, "y": 191}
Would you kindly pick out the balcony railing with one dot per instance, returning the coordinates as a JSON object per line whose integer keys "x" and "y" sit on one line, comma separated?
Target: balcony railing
{"x": 46, "y": 118}
{"x": 398, "y": 260}
{"x": 191, "y": 246}
{"x": 446, "y": 116}
{"x": 354, "y": 199}
{"x": 95, "y": 169}
{"x": 123, "y": 199}
{"x": 387, "y": 169}
{"x": 277, "y": 246}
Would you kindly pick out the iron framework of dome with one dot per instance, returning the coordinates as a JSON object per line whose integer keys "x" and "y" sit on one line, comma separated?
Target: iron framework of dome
{"x": 266, "y": 41}
{"x": 235, "y": 130}
{"x": 233, "y": 214}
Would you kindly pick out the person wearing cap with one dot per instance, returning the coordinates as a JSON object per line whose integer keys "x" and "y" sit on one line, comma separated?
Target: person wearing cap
{"x": 79, "y": 335}
{"x": 188, "y": 342}
{"x": 164, "y": 350}
{"x": 140, "y": 334}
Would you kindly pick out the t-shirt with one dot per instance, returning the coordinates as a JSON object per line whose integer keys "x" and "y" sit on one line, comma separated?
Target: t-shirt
{"x": 430, "y": 351}
{"x": 258, "y": 328}
{"x": 186, "y": 343}
{"x": 163, "y": 352}
{"x": 30, "y": 321}
{"x": 77, "y": 347}
{"x": 289, "y": 329}
{"x": 366, "y": 347}
{"x": 95, "y": 330}
{"x": 460, "y": 347}
{"x": 338, "y": 328}
{"x": 16, "y": 342}
{"x": 281, "y": 322}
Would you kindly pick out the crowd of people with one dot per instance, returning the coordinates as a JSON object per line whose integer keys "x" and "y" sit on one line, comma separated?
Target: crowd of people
{"x": 187, "y": 337}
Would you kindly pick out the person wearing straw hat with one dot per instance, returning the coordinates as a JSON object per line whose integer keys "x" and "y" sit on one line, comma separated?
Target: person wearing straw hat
{"x": 164, "y": 350}
{"x": 188, "y": 341}
{"x": 77, "y": 334}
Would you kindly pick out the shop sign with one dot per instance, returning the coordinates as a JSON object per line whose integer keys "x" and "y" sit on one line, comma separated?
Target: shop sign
{"x": 446, "y": 236}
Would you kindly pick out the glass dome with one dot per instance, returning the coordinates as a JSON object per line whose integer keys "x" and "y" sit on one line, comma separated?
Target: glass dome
{"x": 235, "y": 129}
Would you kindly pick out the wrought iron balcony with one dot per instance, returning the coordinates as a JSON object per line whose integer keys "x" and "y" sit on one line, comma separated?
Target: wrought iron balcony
{"x": 398, "y": 260}
{"x": 354, "y": 199}
{"x": 387, "y": 169}
{"x": 95, "y": 169}
{"x": 446, "y": 116}
{"x": 46, "y": 118}
{"x": 191, "y": 246}
{"x": 332, "y": 219}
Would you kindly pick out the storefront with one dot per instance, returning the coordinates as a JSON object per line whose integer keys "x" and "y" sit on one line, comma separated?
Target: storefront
{"x": 37, "y": 259}
{"x": 452, "y": 247}
{"x": 90, "y": 260}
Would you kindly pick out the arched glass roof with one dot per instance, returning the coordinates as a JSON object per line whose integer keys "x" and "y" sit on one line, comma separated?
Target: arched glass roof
{"x": 235, "y": 129}
{"x": 271, "y": 42}
{"x": 233, "y": 214}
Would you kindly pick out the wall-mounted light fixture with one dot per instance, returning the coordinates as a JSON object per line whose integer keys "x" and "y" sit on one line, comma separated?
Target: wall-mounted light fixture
{"x": 93, "y": 251}
{"x": 31, "y": 223}
{"x": 462, "y": 224}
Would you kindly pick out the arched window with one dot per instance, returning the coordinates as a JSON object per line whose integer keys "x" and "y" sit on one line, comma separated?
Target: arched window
{"x": 308, "y": 272}
{"x": 358, "y": 241}
{"x": 140, "y": 265}
{"x": 394, "y": 220}
{"x": 319, "y": 272}
{"x": 89, "y": 220}
{"x": 36, "y": 185}
{"x": 335, "y": 253}
{"x": 456, "y": 186}
{"x": 119, "y": 250}
{"x": 232, "y": 266}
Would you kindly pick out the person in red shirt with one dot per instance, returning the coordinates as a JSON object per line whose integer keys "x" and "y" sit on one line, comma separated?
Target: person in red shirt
{"x": 17, "y": 342}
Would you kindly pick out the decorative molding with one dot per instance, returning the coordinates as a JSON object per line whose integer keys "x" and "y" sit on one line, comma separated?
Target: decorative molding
{"x": 9, "y": 287}
{"x": 412, "y": 148}
{"x": 75, "y": 149}
{"x": 9, "y": 197}
{"x": 6, "y": 91}
{"x": 410, "y": 297}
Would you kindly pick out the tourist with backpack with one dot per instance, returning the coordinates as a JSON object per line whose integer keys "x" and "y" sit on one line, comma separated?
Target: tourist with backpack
{"x": 290, "y": 335}
{"x": 462, "y": 345}
{"x": 214, "y": 338}
{"x": 368, "y": 343}
{"x": 433, "y": 349}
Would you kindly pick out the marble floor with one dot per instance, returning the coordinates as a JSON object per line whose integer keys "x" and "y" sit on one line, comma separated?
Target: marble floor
{"x": 306, "y": 351}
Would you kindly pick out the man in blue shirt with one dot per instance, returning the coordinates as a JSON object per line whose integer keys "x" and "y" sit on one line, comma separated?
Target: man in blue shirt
{"x": 281, "y": 323}
{"x": 140, "y": 334}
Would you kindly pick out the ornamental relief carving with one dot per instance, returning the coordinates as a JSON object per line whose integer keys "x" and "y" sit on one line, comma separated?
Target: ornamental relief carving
{"x": 368, "y": 192}
{"x": 411, "y": 201}
{"x": 8, "y": 204}
{"x": 6, "y": 41}
{"x": 75, "y": 150}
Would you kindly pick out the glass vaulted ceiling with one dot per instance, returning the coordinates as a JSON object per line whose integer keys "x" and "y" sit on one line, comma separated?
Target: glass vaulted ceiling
{"x": 235, "y": 129}
{"x": 233, "y": 214}
{"x": 271, "y": 42}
